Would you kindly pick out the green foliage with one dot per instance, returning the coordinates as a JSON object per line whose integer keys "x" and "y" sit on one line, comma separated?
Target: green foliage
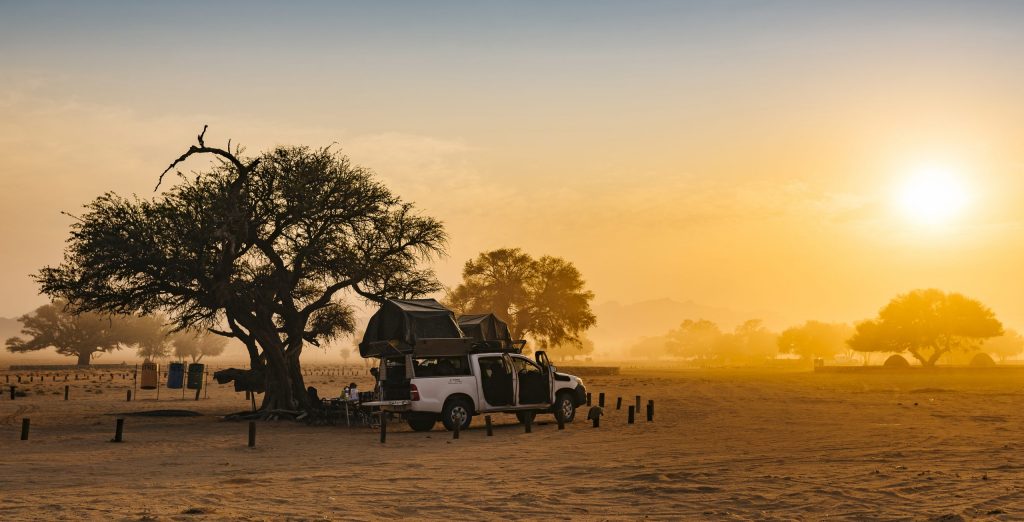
{"x": 815, "y": 339}
{"x": 927, "y": 324}
{"x": 541, "y": 298}
{"x": 84, "y": 335}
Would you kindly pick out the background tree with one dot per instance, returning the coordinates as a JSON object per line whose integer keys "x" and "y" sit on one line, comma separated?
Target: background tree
{"x": 571, "y": 351}
{"x": 269, "y": 246}
{"x": 1010, "y": 344}
{"x": 150, "y": 334}
{"x": 749, "y": 343}
{"x": 815, "y": 339}
{"x": 81, "y": 335}
{"x": 196, "y": 345}
{"x": 927, "y": 324}
{"x": 543, "y": 298}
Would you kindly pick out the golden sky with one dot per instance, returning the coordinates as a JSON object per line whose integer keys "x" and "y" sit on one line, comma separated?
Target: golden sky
{"x": 749, "y": 155}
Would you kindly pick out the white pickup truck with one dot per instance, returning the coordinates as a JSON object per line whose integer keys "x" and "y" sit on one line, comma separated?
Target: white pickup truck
{"x": 454, "y": 388}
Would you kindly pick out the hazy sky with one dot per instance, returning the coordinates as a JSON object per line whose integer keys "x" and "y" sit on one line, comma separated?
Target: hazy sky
{"x": 738, "y": 154}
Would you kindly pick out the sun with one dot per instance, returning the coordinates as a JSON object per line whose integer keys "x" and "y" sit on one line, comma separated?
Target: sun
{"x": 932, "y": 195}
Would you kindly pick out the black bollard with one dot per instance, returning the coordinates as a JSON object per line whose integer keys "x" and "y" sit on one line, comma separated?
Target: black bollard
{"x": 638, "y": 404}
{"x": 128, "y": 396}
{"x": 490, "y": 430}
{"x": 650, "y": 410}
{"x": 588, "y": 399}
{"x": 383, "y": 428}
{"x": 12, "y": 392}
{"x": 597, "y": 420}
{"x": 632, "y": 413}
{"x": 252, "y": 434}
{"x": 66, "y": 389}
{"x": 528, "y": 425}
{"x": 618, "y": 403}
{"x": 119, "y": 431}
{"x": 455, "y": 432}
{"x": 600, "y": 399}
{"x": 24, "y": 428}
{"x": 560, "y": 417}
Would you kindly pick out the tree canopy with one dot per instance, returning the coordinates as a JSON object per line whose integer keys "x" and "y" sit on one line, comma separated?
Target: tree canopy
{"x": 815, "y": 339}
{"x": 545, "y": 298}
{"x": 268, "y": 246}
{"x": 196, "y": 345}
{"x": 85, "y": 335}
{"x": 927, "y": 324}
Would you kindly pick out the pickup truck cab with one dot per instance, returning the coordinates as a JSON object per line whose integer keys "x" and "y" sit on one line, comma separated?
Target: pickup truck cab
{"x": 454, "y": 388}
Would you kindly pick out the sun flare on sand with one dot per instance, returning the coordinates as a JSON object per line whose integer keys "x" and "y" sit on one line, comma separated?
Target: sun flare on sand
{"x": 933, "y": 195}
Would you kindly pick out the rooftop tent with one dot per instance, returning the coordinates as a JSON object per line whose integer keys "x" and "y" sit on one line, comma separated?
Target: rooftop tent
{"x": 484, "y": 327}
{"x": 401, "y": 324}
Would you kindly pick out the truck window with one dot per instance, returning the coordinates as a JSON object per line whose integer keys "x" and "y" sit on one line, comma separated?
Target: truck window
{"x": 525, "y": 365}
{"x": 440, "y": 366}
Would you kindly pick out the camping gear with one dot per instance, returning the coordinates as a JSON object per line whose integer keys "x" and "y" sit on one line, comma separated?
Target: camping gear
{"x": 195, "y": 376}
{"x": 404, "y": 326}
{"x": 175, "y": 375}
{"x": 150, "y": 376}
{"x": 484, "y": 327}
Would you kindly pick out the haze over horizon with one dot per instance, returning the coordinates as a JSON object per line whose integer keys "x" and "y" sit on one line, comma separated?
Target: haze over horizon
{"x": 747, "y": 156}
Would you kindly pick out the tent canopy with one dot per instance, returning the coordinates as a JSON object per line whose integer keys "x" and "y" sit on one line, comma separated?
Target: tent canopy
{"x": 401, "y": 323}
{"x": 484, "y": 327}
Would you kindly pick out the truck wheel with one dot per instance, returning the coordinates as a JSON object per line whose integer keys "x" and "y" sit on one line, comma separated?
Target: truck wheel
{"x": 456, "y": 410}
{"x": 565, "y": 403}
{"x": 422, "y": 422}
{"x": 523, "y": 416}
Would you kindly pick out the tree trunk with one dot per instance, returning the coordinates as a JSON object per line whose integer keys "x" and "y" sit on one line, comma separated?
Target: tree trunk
{"x": 84, "y": 356}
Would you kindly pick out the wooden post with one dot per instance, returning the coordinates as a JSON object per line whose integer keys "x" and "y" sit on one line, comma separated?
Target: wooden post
{"x": 252, "y": 434}
{"x": 638, "y": 404}
{"x": 560, "y": 417}
{"x": 618, "y": 403}
{"x": 600, "y": 399}
{"x": 528, "y": 425}
{"x": 66, "y": 389}
{"x": 632, "y": 413}
{"x": 206, "y": 382}
{"x": 490, "y": 430}
{"x": 128, "y": 397}
{"x": 650, "y": 410}
{"x": 597, "y": 421}
{"x": 588, "y": 399}
{"x": 383, "y": 428}
{"x": 119, "y": 431}
{"x": 12, "y": 392}
{"x": 24, "y": 428}
{"x": 455, "y": 432}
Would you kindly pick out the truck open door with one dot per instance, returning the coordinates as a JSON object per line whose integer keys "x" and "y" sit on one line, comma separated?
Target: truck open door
{"x": 542, "y": 359}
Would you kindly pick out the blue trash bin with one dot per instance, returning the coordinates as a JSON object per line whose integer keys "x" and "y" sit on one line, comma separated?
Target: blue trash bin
{"x": 175, "y": 375}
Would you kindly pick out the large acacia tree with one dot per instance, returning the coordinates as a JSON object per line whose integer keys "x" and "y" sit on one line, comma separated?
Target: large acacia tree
{"x": 263, "y": 249}
{"x": 927, "y": 324}
{"x": 544, "y": 298}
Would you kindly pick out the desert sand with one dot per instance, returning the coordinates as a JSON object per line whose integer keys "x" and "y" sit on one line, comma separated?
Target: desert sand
{"x": 724, "y": 445}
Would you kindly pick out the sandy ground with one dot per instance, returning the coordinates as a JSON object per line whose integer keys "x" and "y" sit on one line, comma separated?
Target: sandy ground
{"x": 725, "y": 445}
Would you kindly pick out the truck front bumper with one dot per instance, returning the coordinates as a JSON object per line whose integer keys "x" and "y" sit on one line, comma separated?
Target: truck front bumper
{"x": 580, "y": 395}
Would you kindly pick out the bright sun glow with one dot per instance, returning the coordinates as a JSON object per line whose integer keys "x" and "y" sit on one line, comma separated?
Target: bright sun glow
{"x": 932, "y": 195}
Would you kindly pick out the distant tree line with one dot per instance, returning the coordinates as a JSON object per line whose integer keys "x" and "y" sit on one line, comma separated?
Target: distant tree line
{"x": 925, "y": 324}
{"x": 88, "y": 335}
